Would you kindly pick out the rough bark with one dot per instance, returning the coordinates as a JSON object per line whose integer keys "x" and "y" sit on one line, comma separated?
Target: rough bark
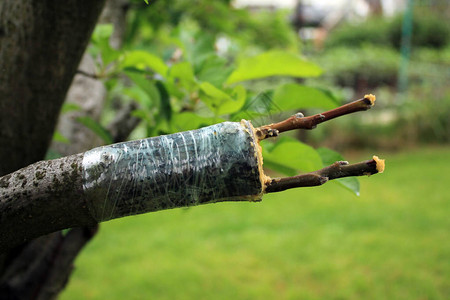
{"x": 41, "y": 44}
{"x": 45, "y": 192}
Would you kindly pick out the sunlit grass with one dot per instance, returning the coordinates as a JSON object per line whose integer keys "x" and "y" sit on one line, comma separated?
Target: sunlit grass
{"x": 393, "y": 242}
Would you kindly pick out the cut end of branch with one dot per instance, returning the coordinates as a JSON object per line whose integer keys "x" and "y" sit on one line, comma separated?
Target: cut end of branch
{"x": 371, "y": 98}
{"x": 380, "y": 164}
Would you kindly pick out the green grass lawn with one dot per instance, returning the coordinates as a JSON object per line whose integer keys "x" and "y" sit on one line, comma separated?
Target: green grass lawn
{"x": 393, "y": 242}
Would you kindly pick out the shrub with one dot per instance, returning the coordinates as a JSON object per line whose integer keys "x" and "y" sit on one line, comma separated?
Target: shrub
{"x": 428, "y": 31}
{"x": 373, "y": 31}
{"x": 367, "y": 65}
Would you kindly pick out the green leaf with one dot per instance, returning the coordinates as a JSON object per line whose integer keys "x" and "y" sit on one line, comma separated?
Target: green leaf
{"x": 213, "y": 92}
{"x": 102, "y": 32}
{"x": 136, "y": 70}
{"x": 58, "y": 137}
{"x": 214, "y": 69}
{"x": 182, "y": 70}
{"x": 273, "y": 63}
{"x": 143, "y": 60}
{"x": 189, "y": 121}
{"x": 156, "y": 91}
{"x": 69, "y": 106}
{"x": 165, "y": 109}
{"x": 98, "y": 129}
{"x": 289, "y": 154}
{"x": 181, "y": 76}
{"x": 146, "y": 85}
{"x": 139, "y": 95}
{"x": 146, "y": 1}
{"x": 144, "y": 115}
{"x": 197, "y": 46}
{"x": 219, "y": 101}
{"x": 258, "y": 108}
{"x": 240, "y": 94}
{"x": 294, "y": 96}
{"x": 100, "y": 38}
{"x": 329, "y": 157}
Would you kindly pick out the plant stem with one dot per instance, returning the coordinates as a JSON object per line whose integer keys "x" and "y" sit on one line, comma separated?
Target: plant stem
{"x": 337, "y": 170}
{"x": 299, "y": 121}
{"x": 93, "y": 76}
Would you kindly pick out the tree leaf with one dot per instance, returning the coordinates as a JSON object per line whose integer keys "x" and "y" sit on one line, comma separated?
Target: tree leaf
{"x": 294, "y": 96}
{"x": 181, "y": 75}
{"x": 273, "y": 63}
{"x": 289, "y": 154}
{"x": 143, "y": 60}
{"x": 182, "y": 70}
{"x": 58, "y": 137}
{"x": 139, "y": 95}
{"x": 165, "y": 108}
{"x": 189, "y": 121}
{"x": 198, "y": 46}
{"x": 240, "y": 94}
{"x": 329, "y": 157}
{"x": 98, "y": 129}
{"x": 258, "y": 108}
{"x": 100, "y": 38}
{"x": 220, "y": 102}
{"x": 144, "y": 115}
{"x": 146, "y": 85}
{"x": 70, "y": 106}
{"x": 214, "y": 69}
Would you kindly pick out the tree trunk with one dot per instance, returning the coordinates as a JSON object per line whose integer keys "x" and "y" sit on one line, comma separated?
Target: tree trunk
{"x": 41, "y": 44}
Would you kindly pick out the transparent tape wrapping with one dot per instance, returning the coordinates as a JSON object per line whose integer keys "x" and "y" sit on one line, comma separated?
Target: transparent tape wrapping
{"x": 215, "y": 163}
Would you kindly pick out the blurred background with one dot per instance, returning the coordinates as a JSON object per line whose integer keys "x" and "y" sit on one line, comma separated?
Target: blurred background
{"x": 169, "y": 66}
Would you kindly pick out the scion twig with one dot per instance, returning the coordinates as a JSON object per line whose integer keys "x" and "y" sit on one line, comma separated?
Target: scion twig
{"x": 299, "y": 121}
{"x": 337, "y": 170}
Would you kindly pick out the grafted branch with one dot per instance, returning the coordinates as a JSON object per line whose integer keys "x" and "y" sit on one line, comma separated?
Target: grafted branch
{"x": 221, "y": 162}
{"x": 337, "y": 170}
{"x": 299, "y": 121}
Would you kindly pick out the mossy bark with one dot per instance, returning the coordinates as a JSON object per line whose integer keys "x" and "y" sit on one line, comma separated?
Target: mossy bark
{"x": 42, "y": 198}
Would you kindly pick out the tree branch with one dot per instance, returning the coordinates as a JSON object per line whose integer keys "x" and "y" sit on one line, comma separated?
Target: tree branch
{"x": 89, "y": 75}
{"x": 222, "y": 162}
{"x": 337, "y": 170}
{"x": 41, "y": 269}
{"x": 42, "y": 198}
{"x": 299, "y": 121}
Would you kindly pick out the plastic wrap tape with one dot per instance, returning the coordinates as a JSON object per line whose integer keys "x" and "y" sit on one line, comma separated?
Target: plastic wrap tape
{"x": 211, "y": 164}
